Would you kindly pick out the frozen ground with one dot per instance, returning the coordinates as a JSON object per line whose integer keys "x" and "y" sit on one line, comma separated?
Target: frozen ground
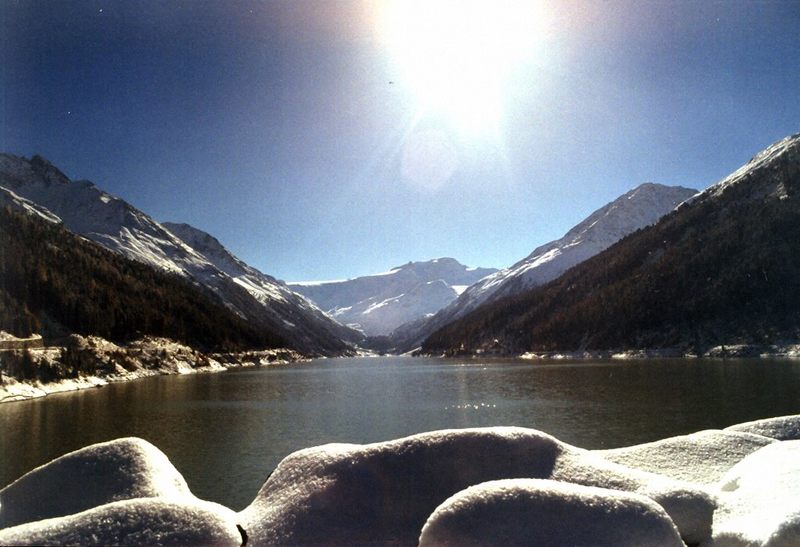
{"x": 486, "y": 486}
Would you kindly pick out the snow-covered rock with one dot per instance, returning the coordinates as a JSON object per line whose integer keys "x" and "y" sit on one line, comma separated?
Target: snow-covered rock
{"x": 122, "y": 469}
{"x": 377, "y": 304}
{"x": 544, "y": 512}
{"x": 759, "y": 499}
{"x": 783, "y": 428}
{"x": 87, "y": 210}
{"x": 142, "y": 521}
{"x": 702, "y": 457}
{"x": 384, "y": 492}
{"x": 775, "y": 162}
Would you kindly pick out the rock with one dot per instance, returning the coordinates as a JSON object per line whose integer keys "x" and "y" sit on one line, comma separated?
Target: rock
{"x": 143, "y": 521}
{"x": 98, "y": 474}
{"x": 544, "y": 513}
{"x": 702, "y": 457}
{"x": 384, "y": 492}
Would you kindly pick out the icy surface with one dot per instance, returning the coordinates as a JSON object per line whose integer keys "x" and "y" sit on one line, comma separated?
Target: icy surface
{"x": 759, "y": 499}
{"x": 783, "y": 428}
{"x": 543, "y": 512}
{"x": 384, "y": 492}
{"x": 116, "y": 470}
{"x": 143, "y": 521}
{"x": 702, "y": 457}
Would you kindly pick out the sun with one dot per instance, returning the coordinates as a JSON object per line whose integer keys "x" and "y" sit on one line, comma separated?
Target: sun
{"x": 457, "y": 55}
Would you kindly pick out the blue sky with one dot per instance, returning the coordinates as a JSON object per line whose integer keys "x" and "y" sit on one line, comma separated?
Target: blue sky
{"x": 285, "y": 128}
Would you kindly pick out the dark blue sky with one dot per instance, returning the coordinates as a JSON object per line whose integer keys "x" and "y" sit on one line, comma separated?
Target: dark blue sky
{"x": 282, "y": 127}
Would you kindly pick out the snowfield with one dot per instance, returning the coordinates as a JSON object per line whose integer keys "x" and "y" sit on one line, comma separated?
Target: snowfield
{"x": 483, "y": 486}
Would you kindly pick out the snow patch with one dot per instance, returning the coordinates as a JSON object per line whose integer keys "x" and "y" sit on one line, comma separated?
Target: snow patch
{"x": 102, "y": 473}
{"x": 384, "y": 492}
{"x": 758, "y": 499}
{"x": 544, "y": 512}
{"x": 702, "y": 457}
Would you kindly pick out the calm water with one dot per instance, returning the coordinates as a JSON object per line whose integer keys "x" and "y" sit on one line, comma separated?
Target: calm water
{"x": 226, "y": 432}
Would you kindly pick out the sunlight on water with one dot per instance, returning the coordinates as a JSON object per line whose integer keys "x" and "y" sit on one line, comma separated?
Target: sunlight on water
{"x": 226, "y": 432}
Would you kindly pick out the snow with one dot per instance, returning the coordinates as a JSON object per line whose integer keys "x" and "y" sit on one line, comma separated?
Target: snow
{"x": 121, "y": 469}
{"x": 782, "y": 428}
{"x": 702, "y": 457}
{"x": 498, "y": 485}
{"x": 134, "y": 522}
{"x": 8, "y": 197}
{"x": 640, "y": 207}
{"x": 85, "y": 209}
{"x": 382, "y": 302}
{"x": 544, "y": 512}
{"x": 759, "y": 499}
{"x": 384, "y": 492}
{"x": 766, "y": 159}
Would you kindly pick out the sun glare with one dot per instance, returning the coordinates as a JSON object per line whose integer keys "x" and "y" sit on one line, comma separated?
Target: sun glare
{"x": 457, "y": 55}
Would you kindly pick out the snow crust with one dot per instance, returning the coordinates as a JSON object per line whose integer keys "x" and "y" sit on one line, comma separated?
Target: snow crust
{"x": 782, "y": 428}
{"x": 702, "y": 457}
{"x": 102, "y": 473}
{"x": 544, "y": 512}
{"x": 384, "y": 492}
{"x": 759, "y": 499}
{"x": 484, "y": 486}
{"x": 134, "y": 522}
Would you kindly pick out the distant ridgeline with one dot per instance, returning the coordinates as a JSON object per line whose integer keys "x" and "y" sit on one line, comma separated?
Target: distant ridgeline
{"x": 52, "y": 276}
{"x": 723, "y": 268}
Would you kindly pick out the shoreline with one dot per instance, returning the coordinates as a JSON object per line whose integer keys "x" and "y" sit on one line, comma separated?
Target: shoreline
{"x": 727, "y": 351}
{"x": 112, "y": 364}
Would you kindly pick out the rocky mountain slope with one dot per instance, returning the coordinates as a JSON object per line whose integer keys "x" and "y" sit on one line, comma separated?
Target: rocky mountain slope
{"x": 55, "y": 282}
{"x": 377, "y": 304}
{"x": 721, "y": 269}
{"x": 87, "y": 210}
{"x": 635, "y": 209}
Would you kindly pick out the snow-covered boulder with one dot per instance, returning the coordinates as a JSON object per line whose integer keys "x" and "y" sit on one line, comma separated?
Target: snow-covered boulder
{"x": 702, "y": 457}
{"x": 98, "y": 474}
{"x": 143, "y": 521}
{"x": 759, "y": 499}
{"x": 384, "y": 492}
{"x": 543, "y": 512}
{"x": 783, "y": 428}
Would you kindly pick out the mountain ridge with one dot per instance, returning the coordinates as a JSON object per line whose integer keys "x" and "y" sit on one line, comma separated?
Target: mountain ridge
{"x": 379, "y": 303}
{"x": 722, "y": 268}
{"x": 89, "y": 211}
{"x": 639, "y": 207}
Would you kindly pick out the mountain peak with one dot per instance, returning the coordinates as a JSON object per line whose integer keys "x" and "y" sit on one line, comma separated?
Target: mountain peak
{"x": 17, "y": 170}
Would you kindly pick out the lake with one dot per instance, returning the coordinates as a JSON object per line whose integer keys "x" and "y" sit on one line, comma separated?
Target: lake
{"x": 226, "y": 432}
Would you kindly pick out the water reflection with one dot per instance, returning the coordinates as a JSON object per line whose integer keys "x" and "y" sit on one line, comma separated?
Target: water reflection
{"x": 226, "y": 432}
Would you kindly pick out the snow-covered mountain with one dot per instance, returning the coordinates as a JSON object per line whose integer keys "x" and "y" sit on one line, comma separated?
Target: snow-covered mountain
{"x": 721, "y": 270}
{"x": 377, "y": 304}
{"x": 113, "y": 223}
{"x": 635, "y": 209}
